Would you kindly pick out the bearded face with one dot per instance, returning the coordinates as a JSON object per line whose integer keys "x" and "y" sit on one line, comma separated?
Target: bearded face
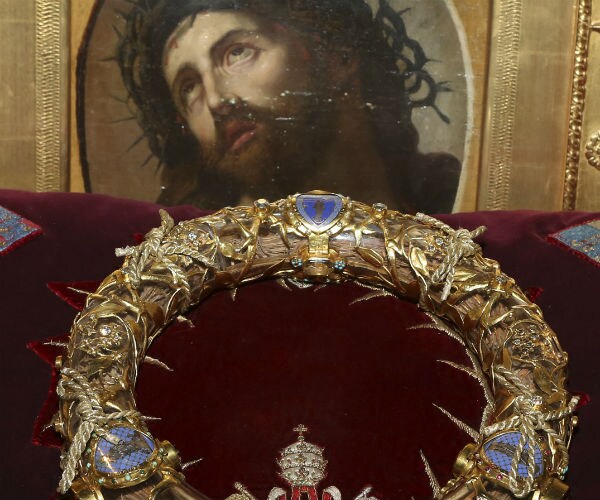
{"x": 252, "y": 93}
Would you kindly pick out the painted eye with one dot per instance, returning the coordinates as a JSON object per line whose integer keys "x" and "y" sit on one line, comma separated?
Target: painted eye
{"x": 189, "y": 91}
{"x": 238, "y": 54}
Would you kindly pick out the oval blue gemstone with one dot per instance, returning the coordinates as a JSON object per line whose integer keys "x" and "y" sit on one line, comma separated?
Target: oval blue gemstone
{"x": 122, "y": 449}
{"x": 501, "y": 449}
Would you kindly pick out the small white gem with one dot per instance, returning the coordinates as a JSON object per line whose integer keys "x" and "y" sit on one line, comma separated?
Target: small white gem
{"x": 537, "y": 400}
{"x": 380, "y": 207}
{"x": 439, "y": 240}
{"x": 192, "y": 236}
{"x": 105, "y": 330}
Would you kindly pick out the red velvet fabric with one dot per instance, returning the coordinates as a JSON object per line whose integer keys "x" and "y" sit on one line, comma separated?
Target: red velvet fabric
{"x": 73, "y": 293}
{"x": 250, "y": 370}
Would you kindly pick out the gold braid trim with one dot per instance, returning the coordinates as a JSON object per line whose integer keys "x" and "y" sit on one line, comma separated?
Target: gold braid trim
{"x": 414, "y": 257}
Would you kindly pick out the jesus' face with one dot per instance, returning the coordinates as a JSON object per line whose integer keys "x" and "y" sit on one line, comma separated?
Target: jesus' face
{"x": 250, "y": 91}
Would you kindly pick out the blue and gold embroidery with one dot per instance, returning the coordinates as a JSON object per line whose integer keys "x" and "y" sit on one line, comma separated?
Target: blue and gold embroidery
{"x": 583, "y": 239}
{"x": 15, "y": 230}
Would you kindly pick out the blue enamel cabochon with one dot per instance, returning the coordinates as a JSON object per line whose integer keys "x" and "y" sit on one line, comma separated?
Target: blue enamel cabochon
{"x": 500, "y": 450}
{"x": 319, "y": 210}
{"x": 122, "y": 449}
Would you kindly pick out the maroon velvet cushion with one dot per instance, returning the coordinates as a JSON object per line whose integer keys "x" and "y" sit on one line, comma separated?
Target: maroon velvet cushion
{"x": 250, "y": 370}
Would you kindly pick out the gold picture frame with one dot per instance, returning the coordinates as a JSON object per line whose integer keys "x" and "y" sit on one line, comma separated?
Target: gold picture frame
{"x": 51, "y": 91}
{"x": 534, "y": 142}
{"x": 532, "y": 151}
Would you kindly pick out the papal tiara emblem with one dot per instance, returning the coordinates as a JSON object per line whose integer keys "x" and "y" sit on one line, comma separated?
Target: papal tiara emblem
{"x": 302, "y": 468}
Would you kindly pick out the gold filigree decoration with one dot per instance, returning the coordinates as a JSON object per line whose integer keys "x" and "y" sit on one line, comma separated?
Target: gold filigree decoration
{"x": 50, "y": 95}
{"x": 580, "y": 64}
{"x": 417, "y": 258}
{"x": 592, "y": 150}
{"x": 503, "y": 97}
{"x": 433, "y": 481}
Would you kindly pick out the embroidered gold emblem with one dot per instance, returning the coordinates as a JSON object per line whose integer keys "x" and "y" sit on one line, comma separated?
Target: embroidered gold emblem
{"x": 303, "y": 468}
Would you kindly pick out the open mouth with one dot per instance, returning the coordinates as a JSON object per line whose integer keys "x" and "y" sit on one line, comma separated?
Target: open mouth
{"x": 239, "y": 133}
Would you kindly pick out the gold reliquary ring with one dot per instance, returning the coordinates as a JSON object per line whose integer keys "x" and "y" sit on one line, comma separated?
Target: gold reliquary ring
{"x": 317, "y": 237}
